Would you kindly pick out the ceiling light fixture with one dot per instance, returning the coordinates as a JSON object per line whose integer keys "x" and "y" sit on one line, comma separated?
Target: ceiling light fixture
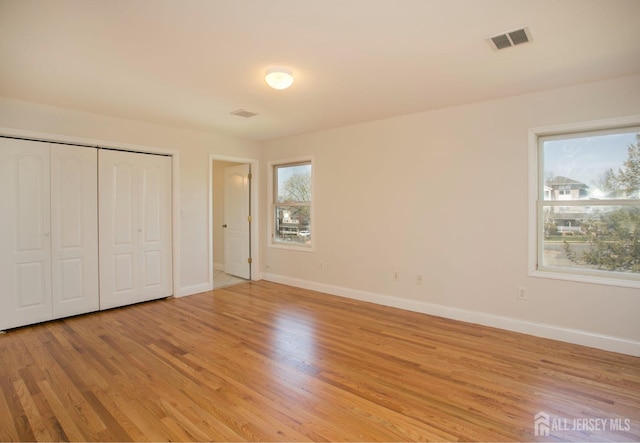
{"x": 279, "y": 78}
{"x": 244, "y": 113}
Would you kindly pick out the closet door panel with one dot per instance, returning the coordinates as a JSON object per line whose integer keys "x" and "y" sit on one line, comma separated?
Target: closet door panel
{"x": 25, "y": 246}
{"x": 155, "y": 188}
{"x": 74, "y": 226}
{"x": 135, "y": 228}
{"x": 118, "y": 232}
{"x": 123, "y": 197}
{"x": 123, "y": 227}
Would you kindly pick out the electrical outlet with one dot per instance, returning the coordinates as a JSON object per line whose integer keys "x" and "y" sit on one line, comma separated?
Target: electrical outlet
{"x": 522, "y": 293}
{"x": 322, "y": 266}
{"x": 396, "y": 276}
{"x": 418, "y": 279}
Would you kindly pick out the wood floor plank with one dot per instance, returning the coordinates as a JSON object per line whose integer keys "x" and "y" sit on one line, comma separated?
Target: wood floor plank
{"x": 36, "y": 421}
{"x": 65, "y": 416}
{"x": 266, "y": 362}
{"x": 10, "y": 424}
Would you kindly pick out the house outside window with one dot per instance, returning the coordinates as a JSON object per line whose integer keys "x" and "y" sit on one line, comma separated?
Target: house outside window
{"x": 292, "y": 200}
{"x": 587, "y": 205}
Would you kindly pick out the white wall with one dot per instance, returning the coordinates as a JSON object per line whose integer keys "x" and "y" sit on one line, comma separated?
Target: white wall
{"x": 444, "y": 194}
{"x": 193, "y": 147}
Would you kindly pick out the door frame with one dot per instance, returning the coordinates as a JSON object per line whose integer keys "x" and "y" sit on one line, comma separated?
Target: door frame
{"x": 97, "y": 143}
{"x": 255, "y": 214}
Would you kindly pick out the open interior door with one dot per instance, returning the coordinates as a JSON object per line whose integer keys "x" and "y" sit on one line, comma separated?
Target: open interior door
{"x": 237, "y": 223}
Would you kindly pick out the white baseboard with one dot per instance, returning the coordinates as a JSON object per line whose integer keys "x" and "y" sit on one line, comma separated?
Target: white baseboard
{"x": 218, "y": 266}
{"x": 575, "y": 336}
{"x": 193, "y": 289}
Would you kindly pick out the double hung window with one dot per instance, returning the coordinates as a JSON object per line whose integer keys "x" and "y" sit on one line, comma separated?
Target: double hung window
{"x": 588, "y": 205}
{"x": 292, "y": 204}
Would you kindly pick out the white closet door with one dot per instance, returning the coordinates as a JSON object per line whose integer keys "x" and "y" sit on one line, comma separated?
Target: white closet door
{"x": 134, "y": 228}
{"x": 155, "y": 226}
{"x": 74, "y": 227}
{"x": 25, "y": 246}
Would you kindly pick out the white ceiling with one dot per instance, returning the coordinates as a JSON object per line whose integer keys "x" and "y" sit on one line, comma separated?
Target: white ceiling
{"x": 189, "y": 63}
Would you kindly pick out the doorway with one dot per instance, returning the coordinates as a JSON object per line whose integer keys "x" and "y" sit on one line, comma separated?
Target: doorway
{"x": 231, "y": 226}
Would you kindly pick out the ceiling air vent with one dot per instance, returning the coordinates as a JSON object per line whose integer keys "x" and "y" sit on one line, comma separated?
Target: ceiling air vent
{"x": 243, "y": 113}
{"x": 510, "y": 38}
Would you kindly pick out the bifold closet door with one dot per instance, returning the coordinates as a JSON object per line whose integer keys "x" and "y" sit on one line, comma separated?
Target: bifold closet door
{"x": 48, "y": 231}
{"x": 74, "y": 230}
{"x": 134, "y": 227}
{"x": 25, "y": 246}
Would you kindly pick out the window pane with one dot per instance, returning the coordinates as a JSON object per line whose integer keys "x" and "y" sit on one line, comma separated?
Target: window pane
{"x": 592, "y": 237}
{"x": 596, "y": 166}
{"x": 292, "y": 224}
{"x": 293, "y": 183}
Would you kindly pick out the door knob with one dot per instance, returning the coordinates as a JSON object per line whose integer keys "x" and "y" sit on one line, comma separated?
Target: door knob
{"x": 224, "y": 226}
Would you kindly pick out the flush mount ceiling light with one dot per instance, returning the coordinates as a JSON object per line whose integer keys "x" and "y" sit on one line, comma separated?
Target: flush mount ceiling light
{"x": 279, "y": 78}
{"x": 244, "y": 113}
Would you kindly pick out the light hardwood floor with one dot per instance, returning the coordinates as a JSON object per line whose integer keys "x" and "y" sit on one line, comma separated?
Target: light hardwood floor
{"x": 262, "y": 361}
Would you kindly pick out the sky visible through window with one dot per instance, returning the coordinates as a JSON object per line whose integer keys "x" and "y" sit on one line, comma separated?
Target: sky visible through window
{"x": 586, "y": 158}
{"x": 285, "y": 172}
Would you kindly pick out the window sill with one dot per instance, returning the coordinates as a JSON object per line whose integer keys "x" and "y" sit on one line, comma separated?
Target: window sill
{"x": 292, "y": 247}
{"x": 585, "y": 278}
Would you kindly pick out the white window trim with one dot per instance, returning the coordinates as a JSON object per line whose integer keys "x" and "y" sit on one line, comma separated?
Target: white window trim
{"x": 270, "y": 177}
{"x": 535, "y": 176}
